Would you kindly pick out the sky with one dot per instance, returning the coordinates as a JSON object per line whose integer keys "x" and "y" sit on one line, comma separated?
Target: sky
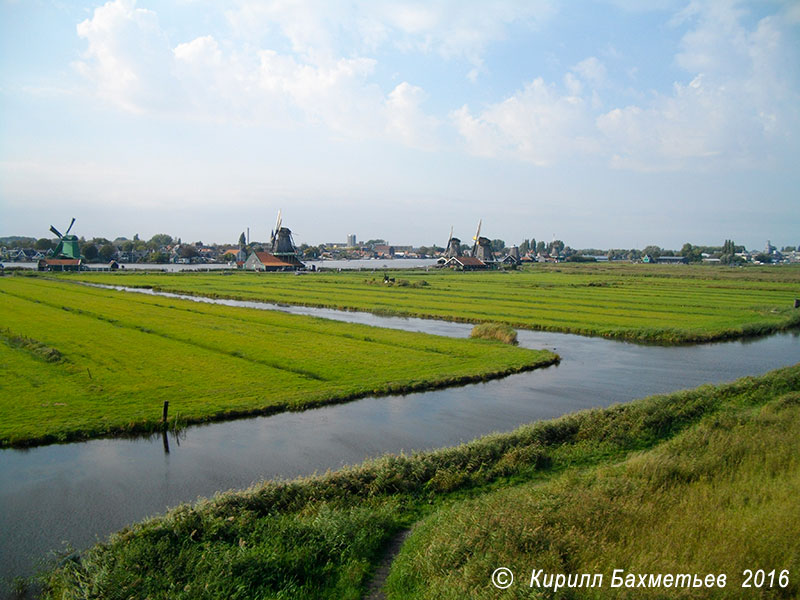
{"x": 608, "y": 124}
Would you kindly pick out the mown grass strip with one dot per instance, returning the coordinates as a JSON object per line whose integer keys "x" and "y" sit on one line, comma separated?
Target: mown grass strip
{"x": 642, "y": 303}
{"x": 320, "y": 537}
{"x": 120, "y": 356}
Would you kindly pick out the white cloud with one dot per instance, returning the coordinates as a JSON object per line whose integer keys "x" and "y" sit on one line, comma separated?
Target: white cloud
{"x": 306, "y": 62}
{"x": 737, "y": 107}
{"x": 130, "y": 62}
{"x": 335, "y": 93}
{"x": 128, "y": 57}
{"x": 453, "y": 29}
{"x": 538, "y": 125}
{"x": 591, "y": 70}
{"x": 405, "y": 119}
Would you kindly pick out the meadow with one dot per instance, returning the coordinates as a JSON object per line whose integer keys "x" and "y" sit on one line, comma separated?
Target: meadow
{"x": 81, "y": 362}
{"x": 642, "y": 303}
{"x": 701, "y": 481}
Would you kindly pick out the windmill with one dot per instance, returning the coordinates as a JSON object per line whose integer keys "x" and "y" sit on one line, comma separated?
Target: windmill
{"x": 281, "y": 244}
{"x": 67, "y": 244}
{"x": 482, "y": 248}
{"x": 453, "y": 246}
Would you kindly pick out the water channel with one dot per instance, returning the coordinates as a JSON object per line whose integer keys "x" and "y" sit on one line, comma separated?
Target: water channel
{"x": 81, "y": 492}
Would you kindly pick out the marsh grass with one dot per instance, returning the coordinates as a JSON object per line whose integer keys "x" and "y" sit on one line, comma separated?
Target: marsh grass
{"x": 620, "y": 479}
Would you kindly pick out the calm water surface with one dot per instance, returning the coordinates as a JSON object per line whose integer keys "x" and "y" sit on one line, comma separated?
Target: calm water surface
{"x": 82, "y": 492}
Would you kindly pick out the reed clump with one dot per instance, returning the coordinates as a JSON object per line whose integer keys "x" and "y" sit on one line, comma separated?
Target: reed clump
{"x": 495, "y": 331}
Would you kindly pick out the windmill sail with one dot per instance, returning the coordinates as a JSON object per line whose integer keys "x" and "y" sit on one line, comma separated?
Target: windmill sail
{"x": 477, "y": 235}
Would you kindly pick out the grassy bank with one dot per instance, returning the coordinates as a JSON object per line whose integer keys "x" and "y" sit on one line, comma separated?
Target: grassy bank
{"x": 80, "y": 362}
{"x": 719, "y": 463}
{"x": 642, "y": 303}
{"x": 721, "y": 499}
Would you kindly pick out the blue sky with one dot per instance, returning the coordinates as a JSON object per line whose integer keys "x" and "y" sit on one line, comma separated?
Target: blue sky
{"x": 605, "y": 124}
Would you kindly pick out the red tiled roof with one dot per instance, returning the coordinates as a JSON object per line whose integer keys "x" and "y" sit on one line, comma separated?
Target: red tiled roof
{"x": 62, "y": 261}
{"x": 469, "y": 261}
{"x": 269, "y": 260}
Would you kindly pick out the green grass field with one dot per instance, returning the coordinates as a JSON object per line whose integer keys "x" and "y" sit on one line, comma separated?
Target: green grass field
{"x": 702, "y": 481}
{"x": 644, "y": 303}
{"x": 79, "y": 362}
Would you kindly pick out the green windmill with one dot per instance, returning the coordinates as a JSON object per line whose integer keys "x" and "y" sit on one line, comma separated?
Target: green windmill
{"x": 68, "y": 244}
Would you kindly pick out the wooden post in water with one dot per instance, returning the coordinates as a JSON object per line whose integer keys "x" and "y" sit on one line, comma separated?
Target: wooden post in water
{"x": 164, "y": 414}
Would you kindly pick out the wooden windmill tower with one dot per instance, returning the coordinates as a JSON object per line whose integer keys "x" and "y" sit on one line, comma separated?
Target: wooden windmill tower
{"x": 482, "y": 247}
{"x": 453, "y": 246}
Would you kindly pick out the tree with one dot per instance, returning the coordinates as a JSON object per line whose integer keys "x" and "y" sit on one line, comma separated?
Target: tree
{"x": 127, "y": 246}
{"x": 540, "y": 248}
{"x": 242, "y": 240}
{"x": 652, "y": 251}
{"x": 43, "y": 244}
{"x": 498, "y": 245}
{"x": 762, "y": 258}
{"x": 691, "y": 253}
{"x": 89, "y": 251}
{"x": 728, "y": 255}
{"x": 107, "y": 252}
{"x": 157, "y": 257}
{"x": 161, "y": 239}
{"x": 188, "y": 251}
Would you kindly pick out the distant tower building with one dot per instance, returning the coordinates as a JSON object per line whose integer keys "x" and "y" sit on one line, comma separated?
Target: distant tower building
{"x": 769, "y": 248}
{"x": 351, "y": 240}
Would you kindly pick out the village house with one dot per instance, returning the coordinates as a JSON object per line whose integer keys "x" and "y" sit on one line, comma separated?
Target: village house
{"x": 264, "y": 261}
